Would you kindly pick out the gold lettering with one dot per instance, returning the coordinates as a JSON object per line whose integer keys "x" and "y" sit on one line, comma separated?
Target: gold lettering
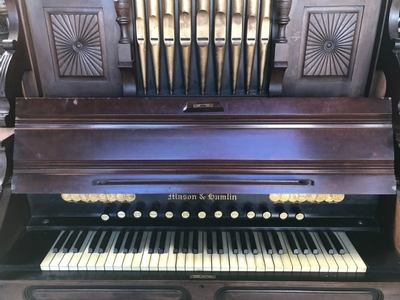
{"x": 183, "y": 197}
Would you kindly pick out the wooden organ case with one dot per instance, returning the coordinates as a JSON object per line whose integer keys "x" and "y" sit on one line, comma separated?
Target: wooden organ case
{"x": 199, "y": 149}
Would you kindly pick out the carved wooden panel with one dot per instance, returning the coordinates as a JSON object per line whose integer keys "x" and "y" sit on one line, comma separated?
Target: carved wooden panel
{"x": 75, "y": 47}
{"x": 77, "y": 42}
{"x": 330, "y": 43}
{"x": 331, "y": 48}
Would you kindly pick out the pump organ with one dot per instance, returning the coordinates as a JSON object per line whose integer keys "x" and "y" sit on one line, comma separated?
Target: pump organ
{"x": 222, "y": 149}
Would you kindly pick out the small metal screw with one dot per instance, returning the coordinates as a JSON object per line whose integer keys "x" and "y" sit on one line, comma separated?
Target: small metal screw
{"x": 360, "y": 222}
{"x": 45, "y": 221}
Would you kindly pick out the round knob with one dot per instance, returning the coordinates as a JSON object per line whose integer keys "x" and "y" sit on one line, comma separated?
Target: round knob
{"x": 121, "y": 214}
{"x": 202, "y": 212}
{"x": 250, "y": 214}
{"x": 299, "y": 216}
{"x": 169, "y": 214}
{"x": 266, "y": 215}
{"x": 265, "y": 212}
{"x": 122, "y": 211}
{"x": 217, "y": 211}
{"x": 138, "y": 212}
{"x": 234, "y": 214}
{"x": 154, "y": 210}
{"x": 185, "y": 210}
{"x": 105, "y": 216}
{"x": 283, "y": 215}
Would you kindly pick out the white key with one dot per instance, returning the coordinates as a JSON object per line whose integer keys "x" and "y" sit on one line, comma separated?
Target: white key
{"x": 342, "y": 266}
{"x": 58, "y": 256}
{"x": 189, "y": 259}
{"x": 207, "y": 262}
{"x": 155, "y": 257}
{"x": 333, "y": 267}
{"x": 91, "y": 264}
{"x": 287, "y": 263}
{"x": 63, "y": 266}
{"x": 296, "y": 266}
{"x": 101, "y": 261}
{"x": 171, "y": 261}
{"x": 215, "y": 257}
{"x": 259, "y": 258}
{"x": 145, "y": 262}
{"x": 128, "y": 257}
{"x": 351, "y": 265}
{"x": 268, "y": 261}
{"x": 312, "y": 261}
{"x": 45, "y": 264}
{"x": 120, "y": 256}
{"x": 198, "y": 258}
{"x": 162, "y": 263}
{"x": 233, "y": 262}
{"x": 224, "y": 257}
{"x": 320, "y": 257}
{"x": 277, "y": 259}
{"x": 251, "y": 264}
{"x": 361, "y": 266}
{"x": 305, "y": 265}
{"x": 109, "y": 263}
{"x": 180, "y": 257}
{"x": 137, "y": 258}
{"x": 242, "y": 262}
{"x": 73, "y": 264}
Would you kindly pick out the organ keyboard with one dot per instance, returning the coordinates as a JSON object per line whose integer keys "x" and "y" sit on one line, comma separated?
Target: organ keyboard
{"x": 218, "y": 251}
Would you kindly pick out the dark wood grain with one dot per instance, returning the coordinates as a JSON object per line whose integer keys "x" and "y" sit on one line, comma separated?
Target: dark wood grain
{"x": 254, "y": 146}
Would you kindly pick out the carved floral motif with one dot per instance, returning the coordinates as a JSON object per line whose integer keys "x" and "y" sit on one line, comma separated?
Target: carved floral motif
{"x": 330, "y": 42}
{"x": 77, "y": 44}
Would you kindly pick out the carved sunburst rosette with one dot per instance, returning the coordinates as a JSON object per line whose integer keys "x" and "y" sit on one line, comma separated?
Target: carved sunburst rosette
{"x": 330, "y": 43}
{"x": 77, "y": 44}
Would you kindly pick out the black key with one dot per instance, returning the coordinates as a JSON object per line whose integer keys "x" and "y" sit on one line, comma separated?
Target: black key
{"x": 138, "y": 241}
{"x": 302, "y": 243}
{"x": 152, "y": 244}
{"x": 177, "y": 242}
{"x": 68, "y": 245}
{"x": 277, "y": 242}
{"x": 325, "y": 243}
{"x": 104, "y": 242}
{"x": 79, "y": 242}
{"x": 195, "y": 247}
{"x": 336, "y": 243}
{"x": 94, "y": 241}
{"x": 209, "y": 242}
{"x": 118, "y": 243}
{"x": 253, "y": 246}
{"x": 235, "y": 249}
{"x": 161, "y": 246}
{"x": 128, "y": 242}
{"x": 267, "y": 242}
{"x": 310, "y": 241}
{"x": 292, "y": 243}
{"x": 60, "y": 242}
{"x": 220, "y": 247}
{"x": 185, "y": 244}
{"x": 243, "y": 242}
